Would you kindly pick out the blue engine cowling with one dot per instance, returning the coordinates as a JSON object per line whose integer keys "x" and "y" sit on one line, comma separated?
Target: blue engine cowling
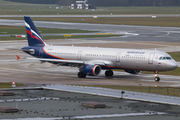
{"x": 91, "y": 70}
{"x": 132, "y": 71}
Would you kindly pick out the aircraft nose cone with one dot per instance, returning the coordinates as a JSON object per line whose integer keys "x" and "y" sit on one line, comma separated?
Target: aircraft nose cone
{"x": 173, "y": 65}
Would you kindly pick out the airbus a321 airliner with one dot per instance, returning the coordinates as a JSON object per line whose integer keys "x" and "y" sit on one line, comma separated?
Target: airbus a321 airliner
{"x": 91, "y": 61}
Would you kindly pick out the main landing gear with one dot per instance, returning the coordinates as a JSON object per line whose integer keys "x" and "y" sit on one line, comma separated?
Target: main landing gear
{"x": 109, "y": 73}
{"x": 81, "y": 75}
{"x": 156, "y": 76}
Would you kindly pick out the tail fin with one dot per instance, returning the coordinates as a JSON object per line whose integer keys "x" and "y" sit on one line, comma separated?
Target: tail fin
{"x": 34, "y": 38}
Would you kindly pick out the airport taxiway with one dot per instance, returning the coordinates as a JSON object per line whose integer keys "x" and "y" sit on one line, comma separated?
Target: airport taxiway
{"x": 91, "y": 16}
{"x": 138, "y": 37}
{"x": 133, "y": 33}
{"x": 28, "y": 72}
{"x": 67, "y": 105}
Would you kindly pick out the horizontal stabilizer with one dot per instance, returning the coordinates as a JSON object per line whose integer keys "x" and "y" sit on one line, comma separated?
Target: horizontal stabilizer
{"x": 17, "y": 57}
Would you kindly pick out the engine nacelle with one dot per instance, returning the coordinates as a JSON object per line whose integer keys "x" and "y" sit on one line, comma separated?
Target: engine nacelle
{"x": 132, "y": 71}
{"x": 91, "y": 70}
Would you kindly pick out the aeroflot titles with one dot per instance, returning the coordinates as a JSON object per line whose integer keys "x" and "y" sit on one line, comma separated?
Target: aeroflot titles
{"x": 135, "y": 52}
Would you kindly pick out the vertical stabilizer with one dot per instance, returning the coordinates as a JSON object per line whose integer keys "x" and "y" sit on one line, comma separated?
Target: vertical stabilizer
{"x": 34, "y": 38}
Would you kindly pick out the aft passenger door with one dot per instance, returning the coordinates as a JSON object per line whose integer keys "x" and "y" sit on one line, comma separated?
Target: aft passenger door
{"x": 151, "y": 56}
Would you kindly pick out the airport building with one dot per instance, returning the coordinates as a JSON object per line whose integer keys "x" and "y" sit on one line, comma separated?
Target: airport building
{"x": 82, "y": 5}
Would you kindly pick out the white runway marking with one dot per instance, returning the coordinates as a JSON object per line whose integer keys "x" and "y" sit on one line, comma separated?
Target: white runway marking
{"x": 93, "y": 116}
{"x": 29, "y": 99}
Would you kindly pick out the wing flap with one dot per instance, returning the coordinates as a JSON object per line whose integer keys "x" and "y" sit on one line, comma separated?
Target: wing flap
{"x": 101, "y": 63}
{"x": 56, "y": 60}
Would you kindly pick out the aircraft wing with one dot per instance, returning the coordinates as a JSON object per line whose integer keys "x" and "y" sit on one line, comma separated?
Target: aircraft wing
{"x": 65, "y": 61}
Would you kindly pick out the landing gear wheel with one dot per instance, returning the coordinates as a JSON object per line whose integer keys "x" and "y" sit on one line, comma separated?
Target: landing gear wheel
{"x": 109, "y": 73}
{"x": 157, "y": 79}
{"x": 81, "y": 75}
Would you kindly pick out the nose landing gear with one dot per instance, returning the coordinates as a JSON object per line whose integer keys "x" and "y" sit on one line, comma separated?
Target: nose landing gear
{"x": 156, "y": 76}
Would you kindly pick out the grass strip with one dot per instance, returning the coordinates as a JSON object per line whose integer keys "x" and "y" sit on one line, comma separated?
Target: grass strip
{"x": 4, "y": 30}
{"x": 145, "y": 21}
{"x": 80, "y": 36}
{"x": 49, "y": 9}
{"x": 60, "y": 37}
{"x": 171, "y": 91}
{"x": 175, "y": 55}
{"x": 8, "y": 85}
{"x": 163, "y": 21}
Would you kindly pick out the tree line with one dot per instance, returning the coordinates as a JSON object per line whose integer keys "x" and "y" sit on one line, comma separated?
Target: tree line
{"x": 107, "y": 2}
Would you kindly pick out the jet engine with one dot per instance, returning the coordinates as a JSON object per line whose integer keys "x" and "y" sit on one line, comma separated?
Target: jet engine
{"x": 91, "y": 70}
{"x": 133, "y": 71}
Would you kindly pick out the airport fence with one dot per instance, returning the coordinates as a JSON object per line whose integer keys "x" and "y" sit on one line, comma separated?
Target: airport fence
{"x": 144, "y": 89}
{"x": 154, "y": 90}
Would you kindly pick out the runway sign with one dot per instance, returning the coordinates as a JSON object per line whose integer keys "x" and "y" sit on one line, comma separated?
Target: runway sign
{"x": 13, "y": 84}
{"x": 67, "y": 35}
{"x": 18, "y": 36}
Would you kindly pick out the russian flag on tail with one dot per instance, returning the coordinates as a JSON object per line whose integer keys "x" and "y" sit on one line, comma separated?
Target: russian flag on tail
{"x": 34, "y": 38}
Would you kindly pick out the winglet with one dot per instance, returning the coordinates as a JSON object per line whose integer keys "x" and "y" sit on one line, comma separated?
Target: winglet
{"x": 17, "y": 57}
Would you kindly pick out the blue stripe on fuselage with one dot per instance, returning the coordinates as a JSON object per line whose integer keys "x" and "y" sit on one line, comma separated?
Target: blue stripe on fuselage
{"x": 39, "y": 52}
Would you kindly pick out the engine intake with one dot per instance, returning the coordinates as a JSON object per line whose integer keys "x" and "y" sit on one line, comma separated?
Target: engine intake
{"x": 91, "y": 70}
{"x": 132, "y": 71}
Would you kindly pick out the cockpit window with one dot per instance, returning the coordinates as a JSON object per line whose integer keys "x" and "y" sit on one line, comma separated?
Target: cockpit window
{"x": 165, "y": 58}
{"x": 168, "y": 58}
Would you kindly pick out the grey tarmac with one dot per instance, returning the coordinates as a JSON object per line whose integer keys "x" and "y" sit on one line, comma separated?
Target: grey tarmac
{"x": 32, "y": 72}
{"x": 111, "y": 16}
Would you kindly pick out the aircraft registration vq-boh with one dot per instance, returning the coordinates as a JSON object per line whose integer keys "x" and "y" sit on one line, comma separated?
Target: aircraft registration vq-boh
{"x": 91, "y": 61}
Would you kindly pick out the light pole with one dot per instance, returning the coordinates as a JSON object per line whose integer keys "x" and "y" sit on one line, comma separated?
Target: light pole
{"x": 122, "y": 92}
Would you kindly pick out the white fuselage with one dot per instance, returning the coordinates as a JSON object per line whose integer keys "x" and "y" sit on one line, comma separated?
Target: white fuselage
{"x": 135, "y": 59}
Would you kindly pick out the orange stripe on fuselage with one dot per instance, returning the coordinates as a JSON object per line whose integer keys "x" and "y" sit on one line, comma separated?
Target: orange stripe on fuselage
{"x": 113, "y": 67}
{"x": 54, "y": 56}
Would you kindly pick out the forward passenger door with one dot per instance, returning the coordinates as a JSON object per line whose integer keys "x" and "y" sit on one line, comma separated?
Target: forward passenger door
{"x": 151, "y": 56}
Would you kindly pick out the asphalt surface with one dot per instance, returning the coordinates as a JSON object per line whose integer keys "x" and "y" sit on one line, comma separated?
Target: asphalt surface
{"x": 27, "y": 71}
{"x": 138, "y": 37}
{"x": 56, "y": 34}
{"x": 133, "y": 33}
{"x": 117, "y": 94}
{"x": 32, "y": 72}
{"x": 53, "y": 105}
{"x": 92, "y": 15}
